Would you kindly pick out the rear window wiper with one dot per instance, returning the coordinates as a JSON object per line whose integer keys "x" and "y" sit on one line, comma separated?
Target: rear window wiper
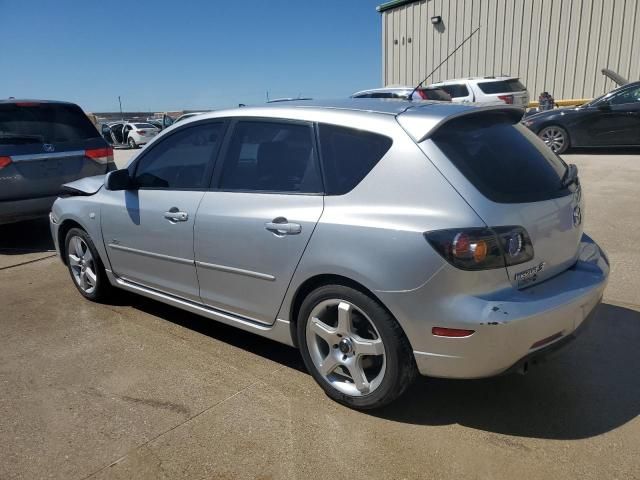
{"x": 570, "y": 176}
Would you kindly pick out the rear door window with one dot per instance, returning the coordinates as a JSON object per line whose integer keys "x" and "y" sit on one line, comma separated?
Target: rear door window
{"x": 436, "y": 94}
{"x": 456, "y": 90}
{"x": 268, "y": 156}
{"x": 502, "y": 86}
{"x": 348, "y": 155}
{"x": 34, "y": 122}
{"x": 507, "y": 163}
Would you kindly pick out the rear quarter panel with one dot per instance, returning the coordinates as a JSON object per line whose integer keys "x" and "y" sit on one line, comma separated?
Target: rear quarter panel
{"x": 374, "y": 234}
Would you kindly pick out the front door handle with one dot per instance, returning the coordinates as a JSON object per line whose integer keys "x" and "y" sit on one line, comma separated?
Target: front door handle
{"x": 280, "y": 226}
{"x": 175, "y": 215}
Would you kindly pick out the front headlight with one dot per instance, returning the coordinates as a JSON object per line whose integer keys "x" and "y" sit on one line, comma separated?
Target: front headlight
{"x": 527, "y": 123}
{"x": 52, "y": 217}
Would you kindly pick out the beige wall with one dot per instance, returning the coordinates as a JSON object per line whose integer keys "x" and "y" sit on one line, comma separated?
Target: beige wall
{"x": 554, "y": 45}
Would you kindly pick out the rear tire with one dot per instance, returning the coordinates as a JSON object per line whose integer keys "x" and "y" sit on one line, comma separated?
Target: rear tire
{"x": 354, "y": 348}
{"x": 556, "y": 138}
{"x": 85, "y": 267}
{"x": 132, "y": 143}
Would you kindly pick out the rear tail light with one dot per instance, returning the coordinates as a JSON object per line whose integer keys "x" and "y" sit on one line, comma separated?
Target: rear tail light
{"x": 508, "y": 99}
{"x": 482, "y": 248}
{"x": 141, "y": 132}
{"x": 5, "y": 161}
{"x": 100, "y": 155}
{"x": 423, "y": 94}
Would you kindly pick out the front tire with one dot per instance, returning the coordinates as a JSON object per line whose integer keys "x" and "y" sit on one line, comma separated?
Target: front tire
{"x": 132, "y": 143}
{"x": 354, "y": 348}
{"x": 85, "y": 266}
{"x": 556, "y": 138}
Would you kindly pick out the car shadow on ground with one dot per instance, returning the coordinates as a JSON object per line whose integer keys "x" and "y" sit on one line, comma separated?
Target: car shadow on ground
{"x": 587, "y": 389}
{"x": 283, "y": 354}
{"x": 31, "y": 236}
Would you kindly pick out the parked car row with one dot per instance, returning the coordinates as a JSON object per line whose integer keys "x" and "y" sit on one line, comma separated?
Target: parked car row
{"x": 486, "y": 90}
{"x": 612, "y": 120}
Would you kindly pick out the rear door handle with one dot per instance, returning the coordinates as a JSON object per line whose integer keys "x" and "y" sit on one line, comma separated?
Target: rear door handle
{"x": 175, "y": 215}
{"x": 280, "y": 226}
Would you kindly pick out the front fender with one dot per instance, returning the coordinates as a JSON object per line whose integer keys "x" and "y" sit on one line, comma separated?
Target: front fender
{"x": 83, "y": 211}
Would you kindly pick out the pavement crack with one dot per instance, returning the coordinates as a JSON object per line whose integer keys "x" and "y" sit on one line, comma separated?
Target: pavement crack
{"x": 27, "y": 262}
{"x": 202, "y": 412}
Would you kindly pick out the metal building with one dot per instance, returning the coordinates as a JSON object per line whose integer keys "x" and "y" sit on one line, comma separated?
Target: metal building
{"x": 555, "y": 45}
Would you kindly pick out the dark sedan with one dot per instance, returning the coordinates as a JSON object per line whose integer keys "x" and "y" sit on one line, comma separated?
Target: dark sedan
{"x": 612, "y": 120}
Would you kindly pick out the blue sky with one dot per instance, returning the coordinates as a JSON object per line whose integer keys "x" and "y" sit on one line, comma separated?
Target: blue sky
{"x": 164, "y": 55}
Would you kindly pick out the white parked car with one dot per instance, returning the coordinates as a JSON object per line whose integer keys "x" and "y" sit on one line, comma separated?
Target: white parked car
{"x": 422, "y": 93}
{"x": 132, "y": 134}
{"x": 184, "y": 116}
{"x": 486, "y": 90}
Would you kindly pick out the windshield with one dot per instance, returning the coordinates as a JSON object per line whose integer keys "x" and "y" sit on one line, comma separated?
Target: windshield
{"x": 43, "y": 123}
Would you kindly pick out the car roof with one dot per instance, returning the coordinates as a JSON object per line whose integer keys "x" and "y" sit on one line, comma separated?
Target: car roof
{"x": 419, "y": 119}
{"x": 32, "y": 100}
{"x": 383, "y": 89}
{"x": 390, "y": 89}
{"x": 369, "y": 106}
{"x": 492, "y": 78}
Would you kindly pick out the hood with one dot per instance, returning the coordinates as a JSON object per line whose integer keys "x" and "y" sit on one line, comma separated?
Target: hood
{"x": 84, "y": 186}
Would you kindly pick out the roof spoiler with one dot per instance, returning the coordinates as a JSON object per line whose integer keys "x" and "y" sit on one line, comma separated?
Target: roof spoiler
{"x": 421, "y": 122}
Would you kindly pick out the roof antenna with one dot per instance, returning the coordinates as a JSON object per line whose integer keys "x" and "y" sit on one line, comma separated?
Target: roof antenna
{"x": 442, "y": 62}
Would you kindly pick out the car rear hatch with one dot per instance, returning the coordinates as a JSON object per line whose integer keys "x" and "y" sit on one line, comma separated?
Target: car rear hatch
{"x": 510, "y": 91}
{"x": 510, "y": 178}
{"x": 46, "y": 144}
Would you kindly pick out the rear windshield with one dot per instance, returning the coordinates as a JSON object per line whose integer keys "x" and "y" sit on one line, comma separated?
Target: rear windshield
{"x": 144, "y": 125}
{"x": 502, "y": 86}
{"x": 506, "y": 163}
{"x": 436, "y": 94}
{"x": 26, "y": 123}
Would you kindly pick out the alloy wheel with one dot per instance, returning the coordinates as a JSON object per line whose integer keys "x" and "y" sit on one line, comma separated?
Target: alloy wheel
{"x": 345, "y": 347}
{"x": 554, "y": 138}
{"x": 83, "y": 265}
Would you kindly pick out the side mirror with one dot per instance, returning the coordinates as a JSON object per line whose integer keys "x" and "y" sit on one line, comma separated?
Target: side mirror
{"x": 604, "y": 106}
{"x": 118, "y": 180}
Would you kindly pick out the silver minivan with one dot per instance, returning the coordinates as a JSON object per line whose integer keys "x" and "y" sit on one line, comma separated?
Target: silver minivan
{"x": 382, "y": 238}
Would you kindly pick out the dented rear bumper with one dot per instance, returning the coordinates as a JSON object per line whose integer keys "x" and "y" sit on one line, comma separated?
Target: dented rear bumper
{"x": 510, "y": 325}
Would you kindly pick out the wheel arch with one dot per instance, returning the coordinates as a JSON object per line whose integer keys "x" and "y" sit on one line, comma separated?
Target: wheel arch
{"x": 64, "y": 228}
{"x": 320, "y": 280}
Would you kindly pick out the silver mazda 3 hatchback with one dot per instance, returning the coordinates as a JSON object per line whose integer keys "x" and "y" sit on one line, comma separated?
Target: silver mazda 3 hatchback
{"x": 382, "y": 238}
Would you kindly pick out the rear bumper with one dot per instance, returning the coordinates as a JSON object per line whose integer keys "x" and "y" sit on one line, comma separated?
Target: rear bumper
{"x": 510, "y": 326}
{"x": 12, "y": 211}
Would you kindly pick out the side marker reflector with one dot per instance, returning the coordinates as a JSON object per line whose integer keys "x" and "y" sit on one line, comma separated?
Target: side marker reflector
{"x": 451, "y": 332}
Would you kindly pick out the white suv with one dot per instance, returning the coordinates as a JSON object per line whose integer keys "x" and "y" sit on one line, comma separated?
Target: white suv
{"x": 486, "y": 90}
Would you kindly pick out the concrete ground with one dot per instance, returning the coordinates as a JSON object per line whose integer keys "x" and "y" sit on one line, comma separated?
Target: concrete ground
{"x": 138, "y": 389}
